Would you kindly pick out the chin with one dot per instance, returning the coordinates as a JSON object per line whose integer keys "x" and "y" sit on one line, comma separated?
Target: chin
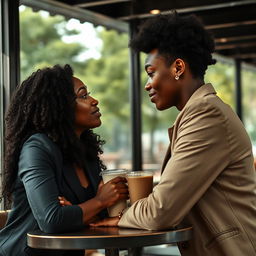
{"x": 160, "y": 107}
{"x": 98, "y": 124}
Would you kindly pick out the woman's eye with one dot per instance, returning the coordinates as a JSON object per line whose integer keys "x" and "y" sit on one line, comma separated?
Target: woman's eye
{"x": 150, "y": 74}
{"x": 84, "y": 96}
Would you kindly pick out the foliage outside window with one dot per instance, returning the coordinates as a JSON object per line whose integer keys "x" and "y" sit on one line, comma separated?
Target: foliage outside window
{"x": 106, "y": 74}
{"x": 249, "y": 102}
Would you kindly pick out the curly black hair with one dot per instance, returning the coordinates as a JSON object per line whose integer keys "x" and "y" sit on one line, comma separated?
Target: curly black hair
{"x": 45, "y": 103}
{"x": 176, "y": 36}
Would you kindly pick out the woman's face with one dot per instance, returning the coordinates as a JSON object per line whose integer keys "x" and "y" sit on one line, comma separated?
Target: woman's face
{"x": 162, "y": 87}
{"x": 87, "y": 114}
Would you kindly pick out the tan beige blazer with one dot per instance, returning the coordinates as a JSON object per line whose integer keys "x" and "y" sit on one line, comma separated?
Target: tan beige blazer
{"x": 209, "y": 182}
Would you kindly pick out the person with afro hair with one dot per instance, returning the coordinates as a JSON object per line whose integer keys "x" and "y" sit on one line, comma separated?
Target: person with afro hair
{"x": 208, "y": 179}
{"x": 52, "y": 154}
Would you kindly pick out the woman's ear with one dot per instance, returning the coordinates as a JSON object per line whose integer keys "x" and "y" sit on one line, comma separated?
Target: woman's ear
{"x": 179, "y": 67}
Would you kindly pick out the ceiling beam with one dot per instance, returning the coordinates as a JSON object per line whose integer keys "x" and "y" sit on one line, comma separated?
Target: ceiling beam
{"x": 232, "y": 46}
{"x": 228, "y": 15}
{"x": 241, "y": 30}
{"x": 235, "y": 38}
{"x": 244, "y": 56}
{"x": 237, "y": 50}
{"x": 192, "y": 9}
{"x": 98, "y": 3}
{"x": 69, "y": 11}
{"x": 231, "y": 24}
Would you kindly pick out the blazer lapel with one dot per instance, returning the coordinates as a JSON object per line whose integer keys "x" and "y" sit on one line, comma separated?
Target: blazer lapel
{"x": 168, "y": 152}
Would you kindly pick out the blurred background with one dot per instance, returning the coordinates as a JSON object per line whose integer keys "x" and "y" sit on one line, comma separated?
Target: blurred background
{"x": 100, "y": 58}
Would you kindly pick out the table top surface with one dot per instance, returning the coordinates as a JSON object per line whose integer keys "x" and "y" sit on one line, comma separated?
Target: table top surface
{"x": 106, "y": 237}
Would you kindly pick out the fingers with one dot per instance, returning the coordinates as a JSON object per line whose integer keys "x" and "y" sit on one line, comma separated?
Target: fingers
{"x": 100, "y": 184}
{"x": 121, "y": 190}
{"x": 63, "y": 201}
{"x": 98, "y": 223}
{"x": 108, "y": 222}
{"x": 117, "y": 185}
{"x": 117, "y": 180}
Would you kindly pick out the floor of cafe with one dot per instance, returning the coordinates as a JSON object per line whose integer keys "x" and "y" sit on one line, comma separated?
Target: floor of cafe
{"x": 158, "y": 250}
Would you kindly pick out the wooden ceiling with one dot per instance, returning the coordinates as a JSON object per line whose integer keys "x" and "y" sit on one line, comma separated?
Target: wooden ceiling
{"x": 233, "y": 23}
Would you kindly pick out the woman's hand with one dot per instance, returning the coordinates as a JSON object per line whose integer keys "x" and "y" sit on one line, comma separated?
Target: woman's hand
{"x": 112, "y": 191}
{"x": 108, "y": 222}
{"x": 63, "y": 201}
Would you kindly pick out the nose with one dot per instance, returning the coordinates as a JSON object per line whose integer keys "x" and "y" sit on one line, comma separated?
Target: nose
{"x": 94, "y": 101}
{"x": 148, "y": 84}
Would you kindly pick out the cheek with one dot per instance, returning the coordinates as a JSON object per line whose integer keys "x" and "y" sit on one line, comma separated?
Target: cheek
{"x": 162, "y": 82}
{"x": 82, "y": 113}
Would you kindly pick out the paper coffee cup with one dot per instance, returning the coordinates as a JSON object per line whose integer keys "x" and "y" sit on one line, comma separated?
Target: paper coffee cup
{"x": 108, "y": 175}
{"x": 140, "y": 184}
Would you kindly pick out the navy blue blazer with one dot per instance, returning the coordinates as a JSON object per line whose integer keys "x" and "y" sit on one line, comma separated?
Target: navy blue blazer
{"x": 42, "y": 177}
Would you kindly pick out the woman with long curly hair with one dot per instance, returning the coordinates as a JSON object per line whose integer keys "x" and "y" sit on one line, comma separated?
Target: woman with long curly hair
{"x": 52, "y": 153}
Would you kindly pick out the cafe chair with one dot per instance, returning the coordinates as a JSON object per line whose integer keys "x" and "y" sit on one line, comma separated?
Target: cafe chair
{"x": 3, "y": 218}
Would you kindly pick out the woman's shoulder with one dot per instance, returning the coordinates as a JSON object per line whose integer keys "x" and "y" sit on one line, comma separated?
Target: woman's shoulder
{"x": 40, "y": 141}
{"x": 38, "y": 149}
{"x": 39, "y": 138}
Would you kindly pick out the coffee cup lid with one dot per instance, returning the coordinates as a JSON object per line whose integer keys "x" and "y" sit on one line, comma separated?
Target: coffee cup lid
{"x": 113, "y": 171}
{"x": 140, "y": 173}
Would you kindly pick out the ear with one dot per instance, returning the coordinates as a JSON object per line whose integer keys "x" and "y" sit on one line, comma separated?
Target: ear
{"x": 178, "y": 68}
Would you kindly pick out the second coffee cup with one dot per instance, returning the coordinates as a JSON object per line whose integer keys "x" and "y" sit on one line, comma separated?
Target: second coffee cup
{"x": 108, "y": 175}
{"x": 140, "y": 184}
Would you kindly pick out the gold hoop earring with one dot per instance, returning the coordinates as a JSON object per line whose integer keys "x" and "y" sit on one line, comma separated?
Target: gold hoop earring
{"x": 177, "y": 77}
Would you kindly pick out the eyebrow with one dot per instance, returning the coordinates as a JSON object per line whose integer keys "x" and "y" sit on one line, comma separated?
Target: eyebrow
{"x": 81, "y": 88}
{"x": 147, "y": 65}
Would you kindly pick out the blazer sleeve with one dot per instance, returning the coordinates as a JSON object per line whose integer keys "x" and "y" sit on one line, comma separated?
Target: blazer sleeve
{"x": 199, "y": 155}
{"x": 37, "y": 172}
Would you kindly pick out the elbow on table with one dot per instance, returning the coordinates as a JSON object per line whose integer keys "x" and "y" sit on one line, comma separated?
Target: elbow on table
{"x": 51, "y": 228}
{"x": 59, "y": 221}
{"x": 160, "y": 225}
{"x": 162, "y": 222}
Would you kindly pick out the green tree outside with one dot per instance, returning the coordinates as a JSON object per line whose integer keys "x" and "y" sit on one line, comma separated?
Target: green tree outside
{"x": 41, "y": 42}
{"x": 108, "y": 78}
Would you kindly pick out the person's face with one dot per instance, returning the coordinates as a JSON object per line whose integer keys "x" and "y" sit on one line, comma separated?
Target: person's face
{"x": 162, "y": 87}
{"x": 87, "y": 115}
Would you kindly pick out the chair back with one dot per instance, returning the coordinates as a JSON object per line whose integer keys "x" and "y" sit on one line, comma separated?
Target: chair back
{"x": 3, "y": 218}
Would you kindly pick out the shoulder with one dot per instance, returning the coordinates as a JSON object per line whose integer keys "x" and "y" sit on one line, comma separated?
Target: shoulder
{"x": 38, "y": 147}
{"x": 204, "y": 118}
{"x": 42, "y": 141}
{"x": 206, "y": 108}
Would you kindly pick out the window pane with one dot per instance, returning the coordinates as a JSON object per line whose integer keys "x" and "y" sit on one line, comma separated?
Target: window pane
{"x": 249, "y": 102}
{"x": 98, "y": 57}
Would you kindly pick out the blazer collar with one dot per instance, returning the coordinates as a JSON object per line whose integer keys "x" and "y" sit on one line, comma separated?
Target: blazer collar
{"x": 168, "y": 152}
{"x": 202, "y": 91}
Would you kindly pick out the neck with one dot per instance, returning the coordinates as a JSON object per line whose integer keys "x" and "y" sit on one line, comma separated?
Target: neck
{"x": 188, "y": 88}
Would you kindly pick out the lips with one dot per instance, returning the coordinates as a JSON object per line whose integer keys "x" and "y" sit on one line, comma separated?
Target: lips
{"x": 152, "y": 95}
{"x": 96, "y": 112}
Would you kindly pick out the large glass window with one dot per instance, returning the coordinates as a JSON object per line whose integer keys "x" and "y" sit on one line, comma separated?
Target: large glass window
{"x": 99, "y": 58}
{"x": 249, "y": 102}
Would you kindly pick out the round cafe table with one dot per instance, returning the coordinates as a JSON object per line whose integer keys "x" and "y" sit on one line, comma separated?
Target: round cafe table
{"x": 108, "y": 238}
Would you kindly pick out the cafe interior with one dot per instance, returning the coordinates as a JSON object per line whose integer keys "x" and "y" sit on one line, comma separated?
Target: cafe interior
{"x": 232, "y": 22}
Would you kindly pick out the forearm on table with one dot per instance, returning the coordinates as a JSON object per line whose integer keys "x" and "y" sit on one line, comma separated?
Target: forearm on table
{"x": 90, "y": 209}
